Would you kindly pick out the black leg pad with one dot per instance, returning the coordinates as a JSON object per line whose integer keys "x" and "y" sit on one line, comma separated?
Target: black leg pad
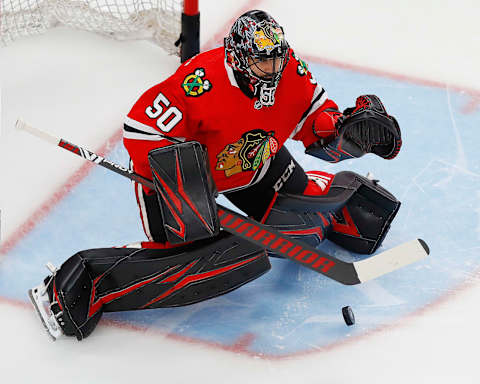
{"x": 120, "y": 279}
{"x": 361, "y": 225}
{"x": 71, "y": 289}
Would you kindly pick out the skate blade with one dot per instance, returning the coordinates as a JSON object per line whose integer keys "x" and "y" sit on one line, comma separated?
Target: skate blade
{"x": 53, "y": 330}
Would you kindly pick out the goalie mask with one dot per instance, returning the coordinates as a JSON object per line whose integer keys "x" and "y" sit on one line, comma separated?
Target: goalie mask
{"x": 257, "y": 50}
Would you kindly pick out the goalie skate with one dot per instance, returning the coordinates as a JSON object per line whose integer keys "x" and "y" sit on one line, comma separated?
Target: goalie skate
{"x": 39, "y": 297}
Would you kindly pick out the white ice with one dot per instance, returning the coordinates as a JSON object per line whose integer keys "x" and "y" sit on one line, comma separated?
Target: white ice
{"x": 79, "y": 85}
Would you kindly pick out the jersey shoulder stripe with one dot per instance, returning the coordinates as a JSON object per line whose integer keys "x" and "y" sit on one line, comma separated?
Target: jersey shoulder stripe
{"x": 140, "y": 127}
{"x": 318, "y": 99}
{"x": 135, "y": 130}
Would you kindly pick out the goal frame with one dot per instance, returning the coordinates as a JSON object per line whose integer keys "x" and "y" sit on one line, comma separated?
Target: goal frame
{"x": 190, "y": 35}
{"x": 174, "y": 25}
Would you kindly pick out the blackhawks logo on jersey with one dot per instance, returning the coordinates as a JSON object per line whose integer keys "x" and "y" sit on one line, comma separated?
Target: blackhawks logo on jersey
{"x": 195, "y": 83}
{"x": 249, "y": 153}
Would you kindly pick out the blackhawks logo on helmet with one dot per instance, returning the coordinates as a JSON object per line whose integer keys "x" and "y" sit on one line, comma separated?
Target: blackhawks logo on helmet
{"x": 268, "y": 36}
{"x": 249, "y": 153}
{"x": 195, "y": 83}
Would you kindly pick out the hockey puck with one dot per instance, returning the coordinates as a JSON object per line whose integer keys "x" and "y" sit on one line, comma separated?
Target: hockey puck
{"x": 348, "y": 315}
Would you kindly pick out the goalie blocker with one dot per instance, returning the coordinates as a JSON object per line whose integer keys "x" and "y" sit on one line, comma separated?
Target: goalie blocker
{"x": 185, "y": 192}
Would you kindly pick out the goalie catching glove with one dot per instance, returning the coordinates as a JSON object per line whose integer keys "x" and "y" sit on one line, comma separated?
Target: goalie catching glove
{"x": 365, "y": 128}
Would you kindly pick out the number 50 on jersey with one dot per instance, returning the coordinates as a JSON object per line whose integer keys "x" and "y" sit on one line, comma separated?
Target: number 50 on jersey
{"x": 167, "y": 116}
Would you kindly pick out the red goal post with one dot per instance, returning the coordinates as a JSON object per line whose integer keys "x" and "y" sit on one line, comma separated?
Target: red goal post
{"x": 172, "y": 24}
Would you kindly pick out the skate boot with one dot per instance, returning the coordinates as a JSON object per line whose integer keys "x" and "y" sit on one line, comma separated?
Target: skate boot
{"x": 48, "y": 308}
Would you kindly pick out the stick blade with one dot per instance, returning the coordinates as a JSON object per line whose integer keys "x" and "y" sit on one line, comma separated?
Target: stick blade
{"x": 391, "y": 260}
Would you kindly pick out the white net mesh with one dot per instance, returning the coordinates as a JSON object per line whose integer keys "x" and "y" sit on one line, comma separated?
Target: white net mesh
{"x": 159, "y": 20}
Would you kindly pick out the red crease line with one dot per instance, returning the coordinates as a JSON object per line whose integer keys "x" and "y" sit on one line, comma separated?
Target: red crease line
{"x": 40, "y": 213}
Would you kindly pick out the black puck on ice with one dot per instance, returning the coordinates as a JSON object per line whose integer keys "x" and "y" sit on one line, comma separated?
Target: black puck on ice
{"x": 348, "y": 315}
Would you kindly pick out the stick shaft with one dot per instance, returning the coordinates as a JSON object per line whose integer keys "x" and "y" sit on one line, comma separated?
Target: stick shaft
{"x": 85, "y": 153}
{"x": 100, "y": 160}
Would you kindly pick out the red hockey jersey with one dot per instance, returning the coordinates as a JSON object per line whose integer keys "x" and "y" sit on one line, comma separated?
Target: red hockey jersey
{"x": 202, "y": 101}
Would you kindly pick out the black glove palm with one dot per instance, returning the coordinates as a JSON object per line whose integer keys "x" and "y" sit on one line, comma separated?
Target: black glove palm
{"x": 369, "y": 127}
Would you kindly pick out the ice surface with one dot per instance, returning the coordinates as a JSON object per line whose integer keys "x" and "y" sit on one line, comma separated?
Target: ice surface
{"x": 416, "y": 325}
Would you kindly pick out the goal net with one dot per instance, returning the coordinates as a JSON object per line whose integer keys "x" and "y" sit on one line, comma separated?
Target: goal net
{"x": 158, "y": 20}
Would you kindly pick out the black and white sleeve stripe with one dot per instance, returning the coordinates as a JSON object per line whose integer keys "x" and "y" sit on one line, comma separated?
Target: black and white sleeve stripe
{"x": 318, "y": 99}
{"x": 133, "y": 129}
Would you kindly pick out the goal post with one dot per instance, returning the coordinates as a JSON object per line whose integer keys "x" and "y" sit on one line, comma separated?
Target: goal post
{"x": 165, "y": 22}
{"x": 190, "y": 36}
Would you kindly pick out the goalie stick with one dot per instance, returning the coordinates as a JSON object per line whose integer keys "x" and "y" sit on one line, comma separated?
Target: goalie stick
{"x": 348, "y": 273}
